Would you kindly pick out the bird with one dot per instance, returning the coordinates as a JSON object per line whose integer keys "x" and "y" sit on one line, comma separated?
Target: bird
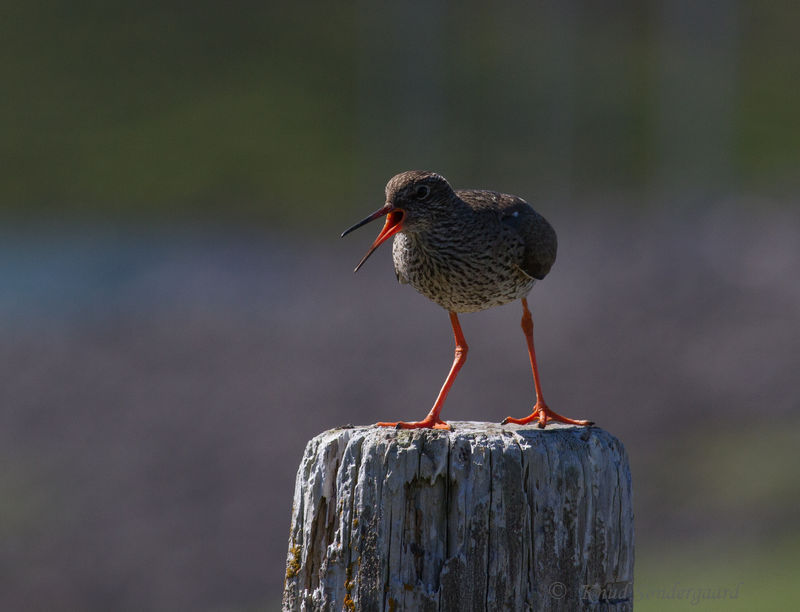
{"x": 466, "y": 250}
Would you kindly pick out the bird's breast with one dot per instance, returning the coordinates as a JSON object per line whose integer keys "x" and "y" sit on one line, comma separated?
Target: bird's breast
{"x": 463, "y": 271}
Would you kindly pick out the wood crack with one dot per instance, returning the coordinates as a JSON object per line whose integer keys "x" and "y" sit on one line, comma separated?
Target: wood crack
{"x": 518, "y": 510}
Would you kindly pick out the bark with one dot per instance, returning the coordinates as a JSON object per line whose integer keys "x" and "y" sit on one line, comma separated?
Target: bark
{"x": 486, "y": 517}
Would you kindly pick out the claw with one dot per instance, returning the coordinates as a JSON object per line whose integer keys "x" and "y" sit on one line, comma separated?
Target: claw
{"x": 543, "y": 414}
{"x": 426, "y": 423}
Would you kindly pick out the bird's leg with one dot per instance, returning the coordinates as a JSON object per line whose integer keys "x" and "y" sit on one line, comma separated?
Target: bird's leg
{"x": 433, "y": 420}
{"x": 541, "y": 411}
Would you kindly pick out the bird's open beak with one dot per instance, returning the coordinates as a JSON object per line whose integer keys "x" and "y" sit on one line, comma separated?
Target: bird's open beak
{"x": 394, "y": 223}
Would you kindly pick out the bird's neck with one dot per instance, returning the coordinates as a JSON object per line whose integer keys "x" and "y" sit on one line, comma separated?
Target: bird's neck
{"x": 441, "y": 222}
{"x": 432, "y": 238}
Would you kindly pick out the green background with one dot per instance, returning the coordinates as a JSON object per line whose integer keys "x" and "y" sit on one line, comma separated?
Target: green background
{"x": 284, "y": 121}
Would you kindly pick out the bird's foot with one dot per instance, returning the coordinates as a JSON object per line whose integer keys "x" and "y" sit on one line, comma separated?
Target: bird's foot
{"x": 543, "y": 414}
{"x": 426, "y": 423}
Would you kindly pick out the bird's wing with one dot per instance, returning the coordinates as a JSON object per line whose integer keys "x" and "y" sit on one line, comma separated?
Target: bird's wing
{"x": 537, "y": 234}
{"x": 519, "y": 218}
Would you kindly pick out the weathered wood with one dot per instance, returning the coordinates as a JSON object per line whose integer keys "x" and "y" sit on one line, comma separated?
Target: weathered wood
{"x": 486, "y": 517}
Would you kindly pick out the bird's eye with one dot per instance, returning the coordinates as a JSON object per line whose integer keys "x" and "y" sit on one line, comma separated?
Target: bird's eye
{"x": 423, "y": 191}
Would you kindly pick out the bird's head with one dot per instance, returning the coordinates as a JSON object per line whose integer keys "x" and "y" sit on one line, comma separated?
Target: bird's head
{"x": 413, "y": 200}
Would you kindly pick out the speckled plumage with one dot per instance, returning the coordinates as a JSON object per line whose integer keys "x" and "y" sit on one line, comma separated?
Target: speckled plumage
{"x": 467, "y": 250}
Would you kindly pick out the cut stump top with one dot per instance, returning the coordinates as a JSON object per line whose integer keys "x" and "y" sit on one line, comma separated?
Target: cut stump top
{"x": 484, "y": 517}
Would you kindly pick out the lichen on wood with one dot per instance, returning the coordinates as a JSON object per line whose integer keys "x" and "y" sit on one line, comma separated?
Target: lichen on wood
{"x": 485, "y": 517}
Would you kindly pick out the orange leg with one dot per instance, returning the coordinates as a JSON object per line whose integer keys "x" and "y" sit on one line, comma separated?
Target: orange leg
{"x": 433, "y": 420}
{"x": 541, "y": 411}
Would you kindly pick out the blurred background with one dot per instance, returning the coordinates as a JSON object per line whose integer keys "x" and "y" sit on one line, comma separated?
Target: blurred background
{"x": 179, "y": 316}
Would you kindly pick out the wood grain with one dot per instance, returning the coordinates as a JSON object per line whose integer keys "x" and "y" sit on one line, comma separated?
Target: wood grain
{"x": 485, "y": 517}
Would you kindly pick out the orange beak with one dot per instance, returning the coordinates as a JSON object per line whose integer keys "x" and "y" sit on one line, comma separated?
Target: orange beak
{"x": 394, "y": 223}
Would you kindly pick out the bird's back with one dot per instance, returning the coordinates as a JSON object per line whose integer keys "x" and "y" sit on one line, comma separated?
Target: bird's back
{"x": 488, "y": 251}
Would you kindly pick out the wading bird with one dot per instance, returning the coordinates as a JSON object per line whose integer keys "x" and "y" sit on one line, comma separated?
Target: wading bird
{"x": 467, "y": 250}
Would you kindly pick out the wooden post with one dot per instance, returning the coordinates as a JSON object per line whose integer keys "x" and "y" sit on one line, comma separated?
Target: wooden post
{"x": 486, "y": 517}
